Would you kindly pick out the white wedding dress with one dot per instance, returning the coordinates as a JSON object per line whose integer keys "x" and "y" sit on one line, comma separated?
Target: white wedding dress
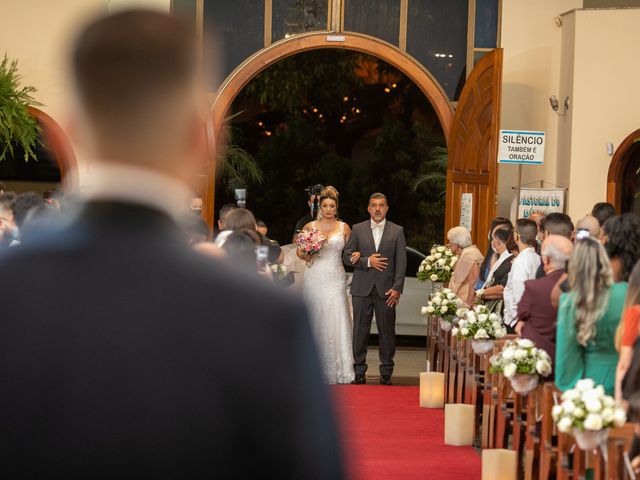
{"x": 324, "y": 288}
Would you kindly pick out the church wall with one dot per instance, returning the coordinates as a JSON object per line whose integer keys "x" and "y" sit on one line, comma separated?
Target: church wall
{"x": 531, "y": 73}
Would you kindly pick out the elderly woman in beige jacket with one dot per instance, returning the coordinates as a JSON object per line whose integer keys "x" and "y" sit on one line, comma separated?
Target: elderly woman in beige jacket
{"x": 467, "y": 270}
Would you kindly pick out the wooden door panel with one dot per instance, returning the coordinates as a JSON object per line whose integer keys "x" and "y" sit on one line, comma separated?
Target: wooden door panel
{"x": 473, "y": 147}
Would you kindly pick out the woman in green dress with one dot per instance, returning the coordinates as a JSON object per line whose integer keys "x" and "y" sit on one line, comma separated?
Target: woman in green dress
{"x": 587, "y": 319}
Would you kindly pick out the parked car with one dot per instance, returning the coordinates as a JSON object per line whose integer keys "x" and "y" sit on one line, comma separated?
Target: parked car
{"x": 409, "y": 320}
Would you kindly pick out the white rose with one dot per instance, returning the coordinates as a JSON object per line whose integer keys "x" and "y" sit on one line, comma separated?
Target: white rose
{"x": 421, "y": 269}
{"x": 494, "y": 317}
{"x": 619, "y": 417}
{"x": 427, "y": 268}
{"x": 444, "y": 309}
{"x": 568, "y": 406}
{"x": 464, "y": 332}
{"x": 543, "y": 367}
{"x": 521, "y": 354}
{"x": 525, "y": 343}
{"x": 447, "y": 269}
{"x": 454, "y": 331}
{"x": 608, "y": 401}
{"x": 451, "y": 295}
{"x": 480, "y": 334}
{"x": 434, "y": 278}
{"x": 593, "y": 422}
{"x": 445, "y": 302}
{"x": 500, "y": 332}
{"x": 571, "y": 395}
{"x": 607, "y": 415}
{"x": 564, "y": 425}
{"x": 556, "y": 411}
{"x": 483, "y": 317}
{"x": 508, "y": 353}
{"x": 441, "y": 262}
{"x": 446, "y": 291}
{"x": 593, "y": 394}
{"x": 453, "y": 261}
{"x": 579, "y": 413}
{"x": 436, "y": 300}
{"x": 472, "y": 321}
{"x": 430, "y": 309}
{"x": 441, "y": 249}
{"x": 461, "y": 312}
{"x": 438, "y": 255}
{"x": 509, "y": 370}
{"x": 463, "y": 323}
{"x": 585, "y": 384}
{"x": 431, "y": 258}
{"x": 471, "y": 314}
{"x": 593, "y": 405}
{"x": 424, "y": 311}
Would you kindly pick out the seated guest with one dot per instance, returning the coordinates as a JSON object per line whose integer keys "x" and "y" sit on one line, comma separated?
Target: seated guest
{"x": 588, "y": 318}
{"x": 590, "y": 225}
{"x": 621, "y": 238}
{"x": 536, "y": 315}
{"x": 491, "y": 294}
{"x": 8, "y": 230}
{"x": 524, "y": 268}
{"x": 241, "y": 247}
{"x": 627, "y": 332}
{"x": 490, "y": 257}
{"x": 603, "y": 211}
{"x": 467, "y": 270}
{"x": 555, "y": 224}
{"x": 235, "y": 219}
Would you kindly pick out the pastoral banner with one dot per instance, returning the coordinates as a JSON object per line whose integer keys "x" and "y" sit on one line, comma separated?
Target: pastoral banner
{"x": 545, "y": 200}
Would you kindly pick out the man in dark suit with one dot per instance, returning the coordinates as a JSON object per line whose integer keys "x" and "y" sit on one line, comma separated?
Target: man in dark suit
{"x": 144, "y": 359}
{"x": 536, "y": 315}
{"x": 377, "y": 250}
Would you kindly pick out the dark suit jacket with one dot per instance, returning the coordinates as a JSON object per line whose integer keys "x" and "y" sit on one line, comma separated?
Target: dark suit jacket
{"x": 393, "y": 246}
{"x": 540, "y": 316}
{"x": 124, "y": 354}
{"x": 501, "y": 275}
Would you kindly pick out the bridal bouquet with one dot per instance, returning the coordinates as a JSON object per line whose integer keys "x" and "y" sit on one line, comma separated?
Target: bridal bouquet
{"x": 521, "y": 357}
{"x": 588, "y": 412}
{"x": 310, "y": 241}
{"x": 438, "y": 266}
{"x": 480, "y": 324}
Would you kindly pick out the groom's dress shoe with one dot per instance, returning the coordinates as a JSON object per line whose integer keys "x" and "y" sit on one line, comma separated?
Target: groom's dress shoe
{"x": 359, "y": 380}
{"x": 385, "y": 380}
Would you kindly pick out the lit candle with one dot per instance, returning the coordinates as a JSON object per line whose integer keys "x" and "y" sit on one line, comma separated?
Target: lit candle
{"x": 431, "y": 390}
{"x": 458, "y": 424}
{"x": 499, "y": 464}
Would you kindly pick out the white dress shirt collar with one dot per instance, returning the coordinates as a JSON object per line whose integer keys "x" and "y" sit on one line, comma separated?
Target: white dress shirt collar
{"x": 378, "y": 225}
{"x": 503, "y": 256}
{"x": 133, "y": 184}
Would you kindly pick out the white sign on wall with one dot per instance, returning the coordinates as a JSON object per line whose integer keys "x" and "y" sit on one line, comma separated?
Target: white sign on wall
{"x": 466, "y": 210}
{"x": 521, "y": 148}
{"x": 545, "y": 200}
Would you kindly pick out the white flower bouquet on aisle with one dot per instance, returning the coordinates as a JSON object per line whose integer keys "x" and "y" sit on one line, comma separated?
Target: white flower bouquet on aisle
{"x": 438, "y": 266}
{"x": 521, "y": 363}
{"x": 589, "y": 413}
{"x": 481, "y": 327}
{"x": 445, "y": 305}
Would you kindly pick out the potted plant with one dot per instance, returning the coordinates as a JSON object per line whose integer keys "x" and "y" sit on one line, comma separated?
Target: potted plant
{"x": 17, "y": 126}
{"x": 437, "y": 267}
{"x": 588, "y": 413}
{"x": 522, "y": 364}
{"x": 445, "y": 305}
{"x": 481, "y": 327}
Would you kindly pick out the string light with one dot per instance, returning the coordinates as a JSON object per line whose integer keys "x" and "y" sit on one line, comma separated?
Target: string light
{"x": 345, "y": 99}
{"x": 387, "y": 89}
{"x": 320, "y": 116}
{"x": 267, "y": 133}
{"x": 315, "y": 110}
{"x": 394, "y": 85}
{"x": 260, "y": 124}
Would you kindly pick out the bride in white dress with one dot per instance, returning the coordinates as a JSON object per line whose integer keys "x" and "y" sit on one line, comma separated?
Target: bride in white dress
{"x": 324, "y": 289}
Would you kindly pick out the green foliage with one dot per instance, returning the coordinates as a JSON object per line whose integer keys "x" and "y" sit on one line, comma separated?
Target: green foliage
{"x": 239, "y": 167}
{"x": 17, "y": 125}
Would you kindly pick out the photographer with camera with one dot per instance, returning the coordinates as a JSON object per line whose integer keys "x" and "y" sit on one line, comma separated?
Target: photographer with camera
{"x": 313, "y": 194}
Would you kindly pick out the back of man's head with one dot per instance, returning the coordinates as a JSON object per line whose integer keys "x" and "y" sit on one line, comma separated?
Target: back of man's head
{"x": 224, "y": 213}
{"x": 527, "y": 230}
{"x": 22, "y": 204}
{"x": 558, "y": 224}
{"x": 558, "y": 250}
{"x": 603, "y": 211}
{"x": 590, "y": 224}
{"x": 135, "y": 75}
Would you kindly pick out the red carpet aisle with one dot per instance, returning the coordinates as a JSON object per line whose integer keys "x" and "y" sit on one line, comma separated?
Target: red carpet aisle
{"x": 386, "y": 435}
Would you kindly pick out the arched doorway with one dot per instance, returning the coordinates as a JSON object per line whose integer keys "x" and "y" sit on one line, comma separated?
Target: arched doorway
{"x": 242, "y": 75}
{"x": 623, "y": 181}
{"x": 471, "y": 133}
{"x": 56, "y": 164}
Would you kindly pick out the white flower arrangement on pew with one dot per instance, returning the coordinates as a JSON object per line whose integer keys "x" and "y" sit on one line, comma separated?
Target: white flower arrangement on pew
{"x": 438, "y": 266}
{"x": 521, "y": 362}
{"x": 481, "y": 327}
{"x": 587, "y": 412}
{"x": 445, "y": 305}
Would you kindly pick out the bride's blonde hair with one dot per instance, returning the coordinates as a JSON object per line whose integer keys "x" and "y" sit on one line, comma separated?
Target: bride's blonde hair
{"x": 330, "y": 193}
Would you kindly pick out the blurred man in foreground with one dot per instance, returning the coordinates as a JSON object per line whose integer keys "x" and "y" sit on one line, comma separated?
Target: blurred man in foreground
{"x": 145, "y": 358}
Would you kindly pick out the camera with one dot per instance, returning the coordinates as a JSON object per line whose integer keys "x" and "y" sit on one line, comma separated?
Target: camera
{"x": 314, "y": 189}
{"x": 241, "y": 197}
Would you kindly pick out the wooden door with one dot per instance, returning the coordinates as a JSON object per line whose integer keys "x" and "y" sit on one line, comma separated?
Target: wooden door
{"x": 473, "y": 148}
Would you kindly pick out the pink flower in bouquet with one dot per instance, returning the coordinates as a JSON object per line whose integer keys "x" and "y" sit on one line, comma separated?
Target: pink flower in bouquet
{"x": 311, "y": 241}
